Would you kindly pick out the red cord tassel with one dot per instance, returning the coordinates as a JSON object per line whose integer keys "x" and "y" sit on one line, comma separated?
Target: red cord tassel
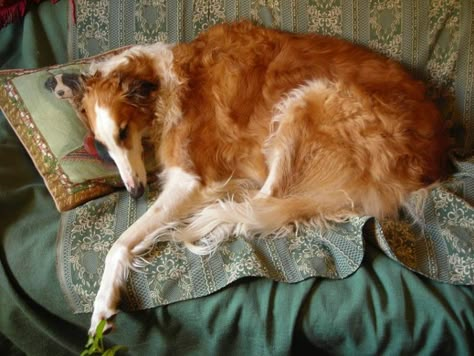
{"x": 11, "y": 11}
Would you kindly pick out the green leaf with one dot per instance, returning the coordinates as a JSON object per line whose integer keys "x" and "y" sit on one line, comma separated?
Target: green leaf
{"x": 113, "y": 350}
{"x": 99, "y": 334}
{"x": 95, "y": 344}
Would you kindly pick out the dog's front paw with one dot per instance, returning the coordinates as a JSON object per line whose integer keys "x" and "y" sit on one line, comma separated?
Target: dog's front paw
{"x": 102, "y": 312}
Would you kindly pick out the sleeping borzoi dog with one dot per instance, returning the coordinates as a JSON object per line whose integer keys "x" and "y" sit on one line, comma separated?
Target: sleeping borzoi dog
{"x": 257, "y": 130}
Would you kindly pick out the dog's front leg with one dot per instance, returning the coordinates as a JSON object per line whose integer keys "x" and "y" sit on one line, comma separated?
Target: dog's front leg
{"x": 179, "y": 189}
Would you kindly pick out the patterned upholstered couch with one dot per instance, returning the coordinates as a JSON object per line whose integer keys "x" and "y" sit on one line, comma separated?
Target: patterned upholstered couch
{"x": 368, "y": 287}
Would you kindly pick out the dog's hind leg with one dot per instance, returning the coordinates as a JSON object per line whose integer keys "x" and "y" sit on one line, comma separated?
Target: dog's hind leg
{"x": 179, "y": 191}
{"x": 258, "y": 212}
{"x": 307, "y": 181}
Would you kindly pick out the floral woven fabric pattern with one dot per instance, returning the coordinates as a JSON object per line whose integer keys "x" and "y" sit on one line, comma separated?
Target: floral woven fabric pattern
{"x": 436, "y": 241}
{"x": 171, "y": 273}
{"x": 433, "y": 39}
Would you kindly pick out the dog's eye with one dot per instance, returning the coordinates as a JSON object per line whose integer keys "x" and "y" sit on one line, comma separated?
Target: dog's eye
{"x": 123, "y": 132}
{"x": 102, "y": 151}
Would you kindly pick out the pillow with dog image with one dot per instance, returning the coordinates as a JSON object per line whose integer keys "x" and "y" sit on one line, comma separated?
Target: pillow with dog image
{"x": 42, "y": 107}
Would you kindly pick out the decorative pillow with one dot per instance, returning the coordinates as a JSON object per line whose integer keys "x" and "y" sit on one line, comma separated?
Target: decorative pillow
{"x": 54, "y": 136}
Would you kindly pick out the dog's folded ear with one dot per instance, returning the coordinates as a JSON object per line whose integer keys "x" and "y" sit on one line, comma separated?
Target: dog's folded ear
{"x": 87, "y": 79}
{"x": 83, "y": 77}
{"x": 140, "y": 91}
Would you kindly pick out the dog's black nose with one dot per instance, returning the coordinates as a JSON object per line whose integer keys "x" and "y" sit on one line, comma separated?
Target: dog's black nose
{"x": 60, "y": 92}
{"x": 137, "y": 192}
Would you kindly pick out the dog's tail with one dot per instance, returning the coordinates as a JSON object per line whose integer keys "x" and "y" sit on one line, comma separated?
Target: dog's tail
{"x": 268, "y": 216}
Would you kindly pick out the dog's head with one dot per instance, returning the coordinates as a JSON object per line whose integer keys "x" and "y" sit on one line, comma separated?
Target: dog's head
{"x": 119, "y": 101}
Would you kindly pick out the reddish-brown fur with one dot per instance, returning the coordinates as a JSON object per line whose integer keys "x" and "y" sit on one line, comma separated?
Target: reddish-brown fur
{"x": 360, "y": 145}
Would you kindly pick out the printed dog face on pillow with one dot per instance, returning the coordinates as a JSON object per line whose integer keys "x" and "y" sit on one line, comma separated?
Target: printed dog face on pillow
{"x": 65, "y": 85}
{"x": 69, "y": 86}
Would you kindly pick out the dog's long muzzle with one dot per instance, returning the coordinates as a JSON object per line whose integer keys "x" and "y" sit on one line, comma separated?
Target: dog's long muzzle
{"x": 136, "y": 192}
{"x": 131, "y": 168}
{"x": 133, "y": 177}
